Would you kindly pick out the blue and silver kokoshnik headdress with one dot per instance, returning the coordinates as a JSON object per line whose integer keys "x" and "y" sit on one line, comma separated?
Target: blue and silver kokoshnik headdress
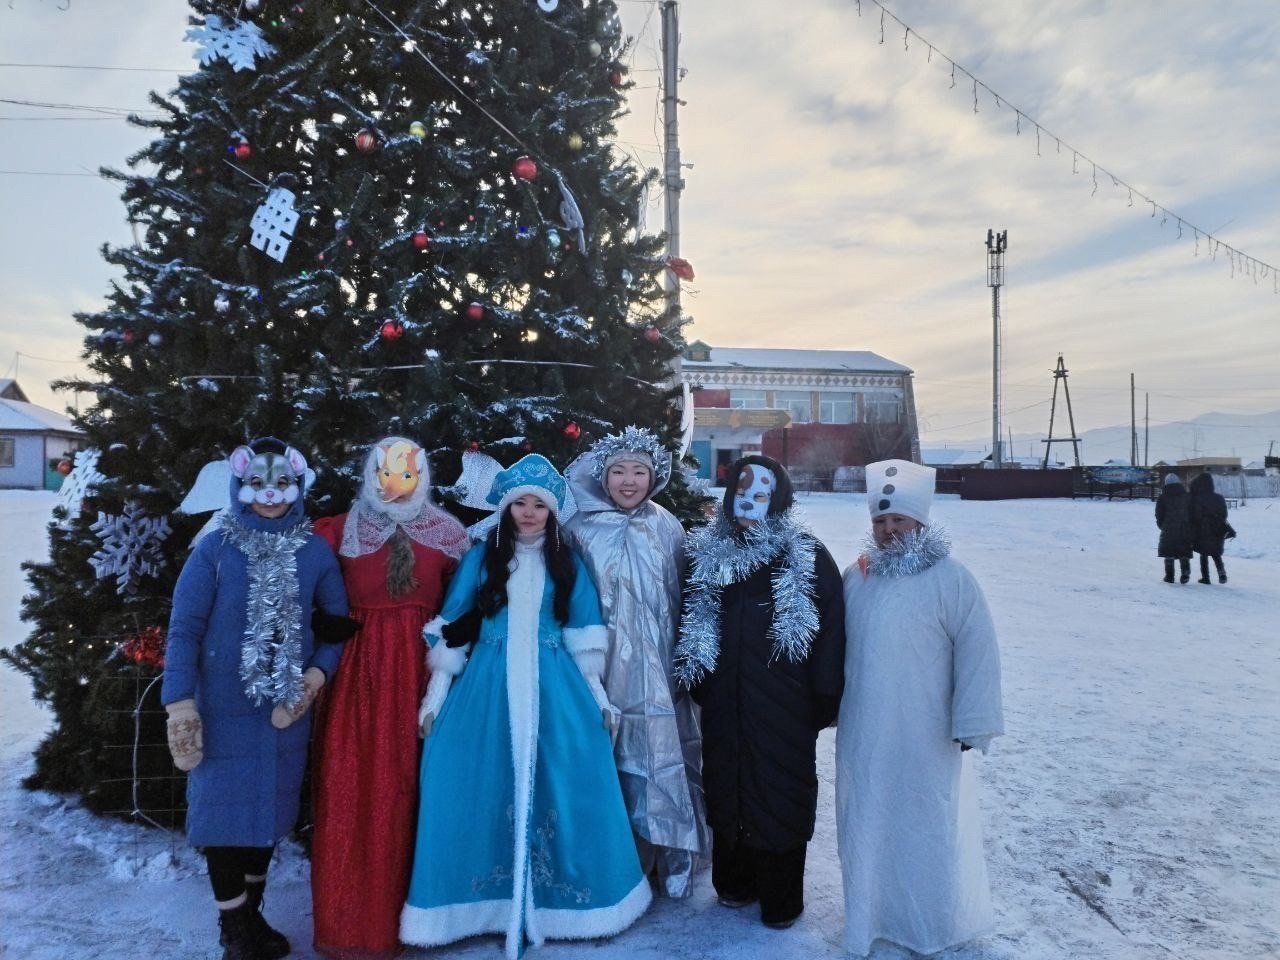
{"x": 531, "y": 474}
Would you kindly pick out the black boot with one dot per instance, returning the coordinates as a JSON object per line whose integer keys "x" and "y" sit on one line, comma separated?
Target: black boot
{"x": 239, "y": 936}
{"x": 273, "y": 943}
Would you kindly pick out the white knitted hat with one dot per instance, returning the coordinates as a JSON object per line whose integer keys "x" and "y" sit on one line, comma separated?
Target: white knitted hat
{"x": 902, "y": 487}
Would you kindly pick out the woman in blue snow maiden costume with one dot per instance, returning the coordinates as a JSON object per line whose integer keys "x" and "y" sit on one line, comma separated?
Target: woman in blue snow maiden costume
{"x": 521, "y": 829}
{"x": 242, "y": 667}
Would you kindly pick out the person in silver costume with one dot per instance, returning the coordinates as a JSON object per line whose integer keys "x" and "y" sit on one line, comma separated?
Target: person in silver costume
{"x": 634, "y": 550}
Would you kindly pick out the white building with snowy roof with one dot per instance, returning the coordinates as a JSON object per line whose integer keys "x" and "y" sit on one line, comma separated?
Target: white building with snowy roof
{"x": 33, "y": 440}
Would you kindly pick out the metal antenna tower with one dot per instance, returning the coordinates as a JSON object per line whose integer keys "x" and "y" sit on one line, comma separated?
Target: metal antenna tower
{"x": 996, "y": 245}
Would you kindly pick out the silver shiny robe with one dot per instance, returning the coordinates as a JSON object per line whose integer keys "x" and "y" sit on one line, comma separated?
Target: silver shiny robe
{"x": 636, "y": 560}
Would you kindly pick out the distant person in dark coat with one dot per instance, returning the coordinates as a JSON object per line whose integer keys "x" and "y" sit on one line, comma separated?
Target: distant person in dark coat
{"x": 1209, "y": 522}
{"x": 762, "y": 652}
{"x": 1173, "y": 517}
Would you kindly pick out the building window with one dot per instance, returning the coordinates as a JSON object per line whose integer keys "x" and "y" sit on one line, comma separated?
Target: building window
{"x": 882, "y": 408}
{"x": 746, "y": 399}
{"x": 6, "y": 451}
{"x": 836, "y": 408}
{"x": 797, "y": 402}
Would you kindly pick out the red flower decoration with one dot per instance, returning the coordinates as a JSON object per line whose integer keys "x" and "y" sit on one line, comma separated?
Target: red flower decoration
{"x": 680, "y": 267}
{"x": 145, "y": 648}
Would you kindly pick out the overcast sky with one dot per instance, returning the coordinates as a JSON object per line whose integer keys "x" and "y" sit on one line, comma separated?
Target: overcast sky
{"x": 840, "y": 192}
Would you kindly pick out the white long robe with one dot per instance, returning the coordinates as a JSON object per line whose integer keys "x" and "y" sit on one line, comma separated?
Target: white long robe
{"x": 922, "y": 670}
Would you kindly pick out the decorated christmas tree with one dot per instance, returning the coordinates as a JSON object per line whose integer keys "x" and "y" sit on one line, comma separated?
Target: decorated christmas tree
{"x": 357, "y": 218}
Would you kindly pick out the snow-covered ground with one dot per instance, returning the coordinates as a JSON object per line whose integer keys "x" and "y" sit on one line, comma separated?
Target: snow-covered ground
{"x": 1132, "y": 811}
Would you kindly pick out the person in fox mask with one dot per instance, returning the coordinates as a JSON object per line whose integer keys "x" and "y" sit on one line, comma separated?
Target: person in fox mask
{"x": 762, "y": 651}
{"x": 242, "y": 668}
{"x": 397, "y": 551}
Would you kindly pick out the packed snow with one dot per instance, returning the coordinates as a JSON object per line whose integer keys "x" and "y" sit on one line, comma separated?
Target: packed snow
{"x": 1130, "y": 812}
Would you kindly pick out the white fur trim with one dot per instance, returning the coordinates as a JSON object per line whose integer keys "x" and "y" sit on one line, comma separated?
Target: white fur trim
{"x": 542, "y": 493}
{"x": 436, "y": 926}
{"x": 525, "y": 587}
{"x": 600, "y": 922}
{"x": 578, "y": 639}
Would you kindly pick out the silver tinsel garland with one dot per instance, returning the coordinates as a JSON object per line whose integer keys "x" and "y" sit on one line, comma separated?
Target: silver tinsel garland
{"x": 717, "y": 559}
{"x": 633, "y": 440}
{"x": 909, "y": 554}
{"x": 271, "y": 651}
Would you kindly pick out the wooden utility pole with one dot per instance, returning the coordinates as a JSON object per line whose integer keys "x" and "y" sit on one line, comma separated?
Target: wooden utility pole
{"x": 1060, "y": 374}
{"x": 997, "y": 243}
{"x": 672, "y": 181}
{"x": 1146, "y": 430}
{"x": 1133, "y": 425}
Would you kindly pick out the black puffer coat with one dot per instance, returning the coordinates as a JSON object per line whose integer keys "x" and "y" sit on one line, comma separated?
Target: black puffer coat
{"x": 1173, "y": 517}
{"x": 760, "y": 720}
{"x": 1208, "y": 517}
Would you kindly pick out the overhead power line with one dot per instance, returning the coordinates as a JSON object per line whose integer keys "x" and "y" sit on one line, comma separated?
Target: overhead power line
{"x": 83, "y": 66}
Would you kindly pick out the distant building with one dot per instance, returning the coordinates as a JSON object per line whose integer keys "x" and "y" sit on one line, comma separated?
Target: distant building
{"x": 812, "y": 410}
{"x": 32, "y": 441}
{"x": 953, "y": 457}
{"x": 1218, "y": 466}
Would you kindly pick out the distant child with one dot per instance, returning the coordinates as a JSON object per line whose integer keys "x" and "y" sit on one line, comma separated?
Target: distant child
{"x": 1209, "y": 524}
{"x": 1173, "y": 517}
{"x": 242, "y": 667}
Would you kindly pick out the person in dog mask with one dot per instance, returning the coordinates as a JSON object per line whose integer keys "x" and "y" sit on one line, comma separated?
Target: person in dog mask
{"x": 762, "y": 651}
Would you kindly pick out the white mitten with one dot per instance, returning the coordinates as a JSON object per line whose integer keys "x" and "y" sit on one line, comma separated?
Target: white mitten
{"x": 186, "y": 734}
{"x": 591, "y": 664}
{"x": 437, "y": 690}
{"x": 312, "y": 682}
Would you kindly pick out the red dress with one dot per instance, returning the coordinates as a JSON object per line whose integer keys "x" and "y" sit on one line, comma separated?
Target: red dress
{"x": 366, "y": 754}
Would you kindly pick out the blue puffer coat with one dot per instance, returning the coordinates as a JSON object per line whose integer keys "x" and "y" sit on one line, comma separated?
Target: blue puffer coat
{"x": 246, "y": 791}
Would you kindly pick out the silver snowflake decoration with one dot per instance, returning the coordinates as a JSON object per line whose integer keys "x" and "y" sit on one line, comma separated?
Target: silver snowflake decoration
{"x": 239, "y": 42}
{"x": 273, "y": 224}
{"x": 79, "y": 483}
{"x": 130, "y": 546}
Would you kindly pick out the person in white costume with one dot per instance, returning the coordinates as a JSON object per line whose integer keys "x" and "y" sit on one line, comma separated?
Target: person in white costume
{"x": 922, "y": 687}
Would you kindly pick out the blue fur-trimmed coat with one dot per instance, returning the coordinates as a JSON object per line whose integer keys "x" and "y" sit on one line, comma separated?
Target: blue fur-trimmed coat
{"x": 246, "y": 791}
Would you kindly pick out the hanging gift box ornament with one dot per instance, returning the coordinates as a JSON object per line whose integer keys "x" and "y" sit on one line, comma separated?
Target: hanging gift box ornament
{"x": 525, "y": 168}
{"x": 420, "y": 240}
{"x": 273, "y": 224}
{"x": 418, "y": 129}
{"x": 475, "y": 312}
{"x": 392, "y": 330}
{"x": 366, "y": 141}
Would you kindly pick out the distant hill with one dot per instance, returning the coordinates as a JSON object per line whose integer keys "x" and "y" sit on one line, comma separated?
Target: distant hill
{"x": 1209, "y": 435}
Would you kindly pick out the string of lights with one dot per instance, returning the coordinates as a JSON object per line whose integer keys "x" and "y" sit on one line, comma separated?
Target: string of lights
{"x": 1242, "y": 264}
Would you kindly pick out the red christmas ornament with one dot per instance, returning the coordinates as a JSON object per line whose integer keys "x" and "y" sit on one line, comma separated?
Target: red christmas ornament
{"x": 475, "y": 312}
{"x": 680, "y": 267}
{"x": 617, "y": 78}
{"x": 526, "y": 446}
{"x": 473, "y": 446}
{"x": 63, "y": 467}
{"x": 145, "y": 648}
{"x": 572, "y": 430}
{"x": 525, "y": 168}
{"x": 366, "y": 141}
{"x": 243, "y": 151}
{"x": 199, "y": 171}
{"x": 392, "y": 330}
{"x": 421, "y": 240}
{"x": 350, "y": 242}
{"x": 652, "y": 334}
{"x": 128, "y": 336}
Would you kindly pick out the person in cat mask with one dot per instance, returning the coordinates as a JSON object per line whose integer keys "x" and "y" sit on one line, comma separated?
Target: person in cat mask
{"x": 762, "y": 651}
{"x": 397, "y": 551}
{"x": 242, "y": 668}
